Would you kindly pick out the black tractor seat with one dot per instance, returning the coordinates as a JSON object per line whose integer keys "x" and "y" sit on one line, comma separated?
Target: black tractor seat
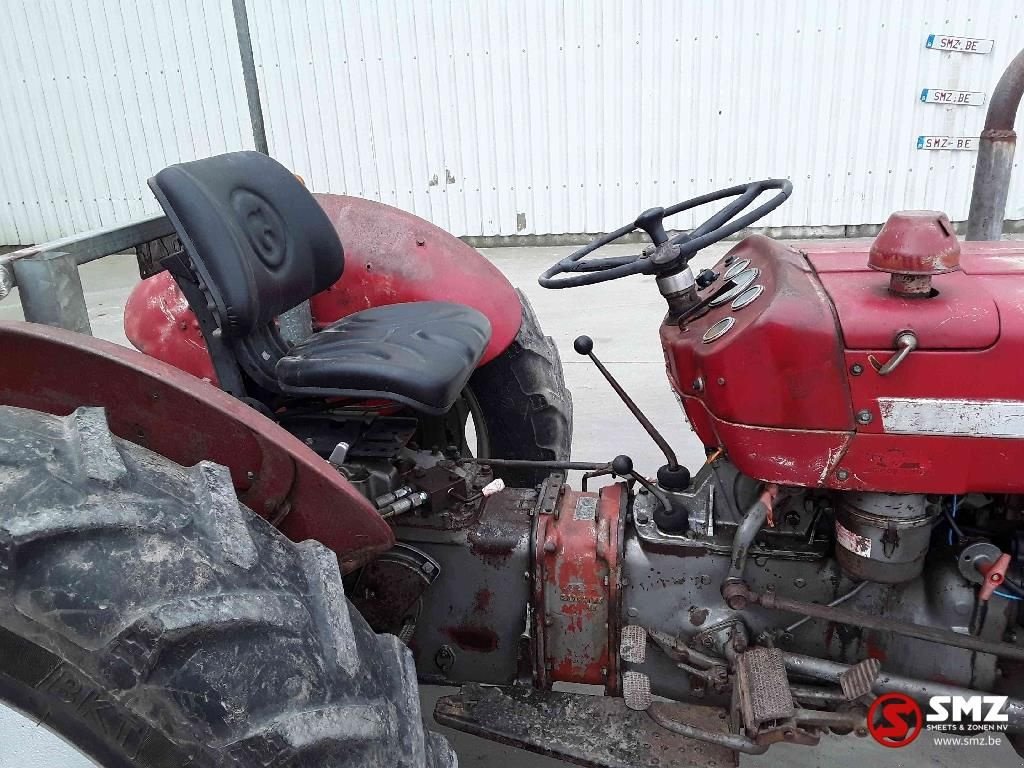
{"x": 420, "y": 354}
{"x": 256, "y": 244}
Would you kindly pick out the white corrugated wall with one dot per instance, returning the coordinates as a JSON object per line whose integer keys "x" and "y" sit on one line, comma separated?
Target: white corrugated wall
{"x": 97, "y": 95}
{"x": 502, "y": 118}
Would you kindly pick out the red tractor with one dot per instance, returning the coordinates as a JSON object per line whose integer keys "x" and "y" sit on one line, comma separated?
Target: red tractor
{"x": 849, "y": 551}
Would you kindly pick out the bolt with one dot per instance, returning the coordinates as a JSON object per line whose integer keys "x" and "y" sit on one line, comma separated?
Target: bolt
{"x": 643, "y": 519}
{"x": 633, "y": 613}
{"x": 428, "y": 567}
{"x": 793, "y": 518}
{"x": 721, "y": 381}
{"x": 698, "y": 384}
{"x": 864, "y": 417}
{"x": 705, "y": 579}
{"x": 250, "y": 476}
{"x": 761, "y": 562}
{"x": 856, "y": 369}
{"x": 549, "y": 546}
{"x": 799, "y": 582}
{"x": 842, "y": 474}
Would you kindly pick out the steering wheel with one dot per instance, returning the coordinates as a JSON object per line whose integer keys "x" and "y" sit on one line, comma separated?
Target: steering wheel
{"x": 670, "y": 253}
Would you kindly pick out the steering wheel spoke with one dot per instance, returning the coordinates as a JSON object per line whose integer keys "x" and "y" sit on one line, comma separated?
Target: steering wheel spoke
{"x": 577, "y": 270}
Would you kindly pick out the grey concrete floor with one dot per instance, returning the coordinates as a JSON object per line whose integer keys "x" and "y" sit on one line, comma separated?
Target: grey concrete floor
{"x": 622, "y": 317}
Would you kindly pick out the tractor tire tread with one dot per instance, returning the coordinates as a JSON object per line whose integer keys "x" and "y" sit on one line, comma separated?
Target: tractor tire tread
{"x": 208, "y": 637}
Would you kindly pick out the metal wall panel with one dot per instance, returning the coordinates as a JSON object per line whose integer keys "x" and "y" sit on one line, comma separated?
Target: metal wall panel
{"x": 97, "y": 95}
{"x": 499, "y": 118}
{"x": 563, "y": 116}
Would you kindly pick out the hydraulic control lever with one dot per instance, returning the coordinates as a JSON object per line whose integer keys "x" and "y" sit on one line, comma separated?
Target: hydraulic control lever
{"x": 672, "y": 476}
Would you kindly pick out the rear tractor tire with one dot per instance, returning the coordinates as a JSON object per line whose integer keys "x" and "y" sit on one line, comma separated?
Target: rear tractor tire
{"x": 523, "y": 403}
{"x": 152, "y": 620}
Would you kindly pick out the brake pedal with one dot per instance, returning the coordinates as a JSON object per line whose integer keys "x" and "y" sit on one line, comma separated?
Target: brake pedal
{"x": 763, "y": 688}
{"x": 633, "y": 644}
{"x": 859, "y": 679}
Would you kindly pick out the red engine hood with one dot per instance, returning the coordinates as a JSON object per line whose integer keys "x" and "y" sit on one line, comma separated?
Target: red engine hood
{"x": 963, "y": 314}
{"x": 791, "y": 393}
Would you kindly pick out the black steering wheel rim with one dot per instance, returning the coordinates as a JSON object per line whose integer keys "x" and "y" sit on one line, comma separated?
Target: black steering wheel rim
{"x": 675, "y": 250}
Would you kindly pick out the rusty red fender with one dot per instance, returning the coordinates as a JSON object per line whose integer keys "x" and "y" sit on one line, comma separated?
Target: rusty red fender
{"x": 187, "y": 420}
{"x": 391, "y": 257}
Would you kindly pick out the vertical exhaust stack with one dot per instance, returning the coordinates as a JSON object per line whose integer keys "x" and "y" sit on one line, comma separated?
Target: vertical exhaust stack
{"x": 995, "y": 156}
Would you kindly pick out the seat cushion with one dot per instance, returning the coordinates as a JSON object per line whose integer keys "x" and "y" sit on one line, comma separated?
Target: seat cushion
{"x": 420, "y": 354}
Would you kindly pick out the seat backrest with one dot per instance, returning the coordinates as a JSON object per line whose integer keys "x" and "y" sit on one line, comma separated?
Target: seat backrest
{"x": 255, "y": 235}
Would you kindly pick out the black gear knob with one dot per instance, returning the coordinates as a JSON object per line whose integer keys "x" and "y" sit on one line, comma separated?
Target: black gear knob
{"x": 622, "y": 466}
{"x": 583, "y": 345}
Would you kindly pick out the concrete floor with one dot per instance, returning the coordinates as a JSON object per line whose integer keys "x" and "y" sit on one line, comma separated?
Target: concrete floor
{"x": 622, "y": 317}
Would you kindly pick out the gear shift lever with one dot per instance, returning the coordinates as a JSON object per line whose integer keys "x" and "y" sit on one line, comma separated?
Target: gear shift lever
{"x": 672, "y": 476}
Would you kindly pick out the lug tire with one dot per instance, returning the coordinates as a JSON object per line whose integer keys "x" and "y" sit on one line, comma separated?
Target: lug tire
{"x": 524, "y": 403}
{"x": 152, "y": 620}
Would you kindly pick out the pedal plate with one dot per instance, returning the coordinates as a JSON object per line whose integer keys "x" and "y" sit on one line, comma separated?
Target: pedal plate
{"x": 596, "y": 731}
{"x": 859, "y": 679}
{"x": 763, "y": 687}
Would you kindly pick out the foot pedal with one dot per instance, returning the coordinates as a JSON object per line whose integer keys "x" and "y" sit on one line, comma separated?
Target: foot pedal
{"x": 763, "y": 688}
{"x": 859, "y": 679}
{"x": 633, "y": 644}
{"x": 595, "y": 731}
{"x": 636, "y": 690}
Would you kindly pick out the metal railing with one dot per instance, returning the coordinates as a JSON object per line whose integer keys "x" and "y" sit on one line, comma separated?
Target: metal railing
{"x": 47, "y": 277}
{"x": 50, "y": 286}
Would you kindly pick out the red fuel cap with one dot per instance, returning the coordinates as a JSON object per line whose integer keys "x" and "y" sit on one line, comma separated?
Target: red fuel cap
{"x": 913, "y": 246}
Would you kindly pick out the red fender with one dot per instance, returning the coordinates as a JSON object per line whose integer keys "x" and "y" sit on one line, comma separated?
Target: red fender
{"x": 150, "y": 403}
{"x": 391, "y": 257}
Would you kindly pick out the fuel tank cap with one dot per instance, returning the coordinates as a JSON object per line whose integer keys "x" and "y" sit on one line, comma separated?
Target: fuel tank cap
{"x": 913, "y": 246}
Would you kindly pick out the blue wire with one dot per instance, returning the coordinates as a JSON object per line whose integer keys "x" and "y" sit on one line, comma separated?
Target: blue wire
{"x": 952, "y": 514}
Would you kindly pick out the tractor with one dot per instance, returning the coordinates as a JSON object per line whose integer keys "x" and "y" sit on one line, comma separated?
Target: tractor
{"x": 338, "y": 463}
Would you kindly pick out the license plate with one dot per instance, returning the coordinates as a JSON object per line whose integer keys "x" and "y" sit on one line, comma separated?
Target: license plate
{"x": 958, "y": 44}
{"x": 953, "y": 98}
{"x": 963, "y": 143}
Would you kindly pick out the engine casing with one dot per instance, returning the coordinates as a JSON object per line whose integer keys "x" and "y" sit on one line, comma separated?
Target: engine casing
{"x": 789, "y": 390}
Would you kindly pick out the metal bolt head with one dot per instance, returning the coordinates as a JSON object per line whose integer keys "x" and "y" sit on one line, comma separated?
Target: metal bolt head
{"x": 799, "y": 582}
{"x": 842, "y": 474}
{"x": 864, "y": 417}
{"x": 633, "y": 613}
{"x": 721, "y": 381}
{"x": 856, "y": 369}
{"x": 698, "y": 384}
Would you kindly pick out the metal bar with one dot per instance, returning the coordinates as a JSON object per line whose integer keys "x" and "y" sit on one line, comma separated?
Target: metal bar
{"x": 586, "y": 466}
{"x": 907, "y": 629}
{"x": 252, "y": 86}
{"x": 734, "y": 741}
{"x": 51, "y": 291}
{"x": 296, "y": 324}
{"x": 995, "y": 155}
{"x": 920, "y": 690}
{"x": 98, "y": 243}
